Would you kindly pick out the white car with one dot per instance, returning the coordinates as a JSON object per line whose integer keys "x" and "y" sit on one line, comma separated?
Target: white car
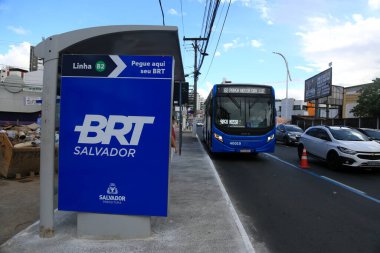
{"x": 339, "y": 146}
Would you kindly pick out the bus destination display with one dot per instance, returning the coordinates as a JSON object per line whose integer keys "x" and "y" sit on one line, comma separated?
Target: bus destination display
{"x": 242, "y": 90}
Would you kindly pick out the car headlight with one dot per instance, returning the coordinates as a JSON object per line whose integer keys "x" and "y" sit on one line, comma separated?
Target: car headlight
{"x": 347, "y": 150}
{"x": 271, "y": 137}
{"x": 218, "y": 137}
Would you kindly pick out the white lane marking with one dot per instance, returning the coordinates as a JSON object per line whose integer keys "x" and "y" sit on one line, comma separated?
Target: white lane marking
{"x": 279, "y": 159}
{"x": 243, "y": 233}
{"x": 356, "y": 191}
{"x": 344, "y": 185}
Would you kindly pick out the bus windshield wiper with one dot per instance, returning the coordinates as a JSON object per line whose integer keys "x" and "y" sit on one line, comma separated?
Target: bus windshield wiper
{"x": 233, "y": 99}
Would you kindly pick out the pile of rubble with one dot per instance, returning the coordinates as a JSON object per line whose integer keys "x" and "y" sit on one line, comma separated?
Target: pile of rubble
{"x": 23, "y": 136}
{"x": 20, "y": 150}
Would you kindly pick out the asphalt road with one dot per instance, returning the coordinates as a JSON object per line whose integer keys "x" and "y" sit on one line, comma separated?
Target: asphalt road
{"x": 288, "y": 209}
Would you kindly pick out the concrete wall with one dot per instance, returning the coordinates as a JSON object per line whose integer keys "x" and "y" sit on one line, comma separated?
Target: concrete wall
{"x": 19, "y": 91}
{"x": 17, "y": 102}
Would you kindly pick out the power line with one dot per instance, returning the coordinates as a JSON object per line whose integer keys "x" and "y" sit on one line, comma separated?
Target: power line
{"x": 217, "y": 44}
{"x": 210, "y": 8}
{"x": 205, "y": 21}
{"x": 217, "y": 23}
{"x": 210, "y": 25}
{"x": 183, "y": 28}
{"x": 204, "y": 18}
{"x": 162, "y": 12}
{"x": 200, "y": 44}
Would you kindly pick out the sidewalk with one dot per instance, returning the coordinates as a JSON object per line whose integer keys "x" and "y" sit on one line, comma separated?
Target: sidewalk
{"x": 199, "y": 220}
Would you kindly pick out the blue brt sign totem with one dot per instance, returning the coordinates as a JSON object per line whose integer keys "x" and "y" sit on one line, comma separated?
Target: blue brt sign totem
{"x": 115, "y": 134}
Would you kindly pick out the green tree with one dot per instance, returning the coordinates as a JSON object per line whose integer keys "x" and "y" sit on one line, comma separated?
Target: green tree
{"x": 369, "y": 101}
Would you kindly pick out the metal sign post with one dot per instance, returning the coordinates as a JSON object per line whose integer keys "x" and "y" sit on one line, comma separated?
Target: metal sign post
{"x": 180, "y": 118}
{"x": 49, "y": 98}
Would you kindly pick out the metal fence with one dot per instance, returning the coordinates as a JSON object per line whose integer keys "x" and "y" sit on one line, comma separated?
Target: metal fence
{"x": 304, "y": 123}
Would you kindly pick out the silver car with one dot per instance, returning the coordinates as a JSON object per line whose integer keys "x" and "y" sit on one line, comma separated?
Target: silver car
{"x": 289, "y": 134}
{"x": 339, "y": 146}
{"x": 373, "y": 134}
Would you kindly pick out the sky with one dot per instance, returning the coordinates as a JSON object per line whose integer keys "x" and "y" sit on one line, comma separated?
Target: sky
{"x": 309, "y": 33}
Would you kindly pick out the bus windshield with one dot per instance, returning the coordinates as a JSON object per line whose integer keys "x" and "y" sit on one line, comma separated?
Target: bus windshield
{"x": 248, "y": 112}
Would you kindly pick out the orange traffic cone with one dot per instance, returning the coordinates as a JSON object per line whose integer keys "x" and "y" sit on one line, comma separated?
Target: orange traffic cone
{"x": 303, "y": 163}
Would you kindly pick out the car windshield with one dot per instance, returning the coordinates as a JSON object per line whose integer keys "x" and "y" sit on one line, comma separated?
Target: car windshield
{"x": 291, "y": 128}
{"x": 373, "y": 133}
{"x": 347, "y": 134}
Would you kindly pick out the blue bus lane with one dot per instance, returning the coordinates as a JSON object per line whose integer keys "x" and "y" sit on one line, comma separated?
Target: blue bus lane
{"x": 363, "y": 182}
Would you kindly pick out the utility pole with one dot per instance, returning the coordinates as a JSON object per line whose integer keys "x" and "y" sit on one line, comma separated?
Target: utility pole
{"x": 196, "y": 70}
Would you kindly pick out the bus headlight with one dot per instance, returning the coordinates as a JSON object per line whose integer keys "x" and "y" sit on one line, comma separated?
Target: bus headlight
{"x": 218, "y": 137}
{"x": 271, "y": 137}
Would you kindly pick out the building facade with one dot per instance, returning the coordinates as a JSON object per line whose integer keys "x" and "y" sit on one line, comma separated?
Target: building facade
{"x": 350, "y": 99}
{"x": 295, "y": 107}
{"x": 200, "y": 102}
{"x": 20, "y": 90}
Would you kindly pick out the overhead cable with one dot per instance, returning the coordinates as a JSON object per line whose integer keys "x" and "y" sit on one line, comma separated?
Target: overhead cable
{"x": 210, "y": 25}
{"x": 217, "y": 44}
{"x": 162, "y": 12}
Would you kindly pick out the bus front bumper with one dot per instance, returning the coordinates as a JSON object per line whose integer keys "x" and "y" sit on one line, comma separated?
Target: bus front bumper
{"x": 259, "y": 145}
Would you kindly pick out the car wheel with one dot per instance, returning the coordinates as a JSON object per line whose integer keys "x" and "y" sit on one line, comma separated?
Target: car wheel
{"x": 300, "y": 151}
{"x": 287, "y": 141}
{"x": 333, "y": 161}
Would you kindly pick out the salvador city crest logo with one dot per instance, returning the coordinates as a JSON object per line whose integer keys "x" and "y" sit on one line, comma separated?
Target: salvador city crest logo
{"x": 112, "y": 196}
{"x": 112, "y": 189}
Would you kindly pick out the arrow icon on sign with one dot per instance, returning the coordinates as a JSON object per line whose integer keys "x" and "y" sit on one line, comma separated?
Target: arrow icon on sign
{"x": 120, "y": 66}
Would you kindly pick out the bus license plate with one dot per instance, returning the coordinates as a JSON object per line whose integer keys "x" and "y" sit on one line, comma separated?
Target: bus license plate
{"x": 245, "y": 151}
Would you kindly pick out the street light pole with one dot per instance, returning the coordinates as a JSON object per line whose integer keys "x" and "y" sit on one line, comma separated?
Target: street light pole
{"x": 287, "y": 78}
